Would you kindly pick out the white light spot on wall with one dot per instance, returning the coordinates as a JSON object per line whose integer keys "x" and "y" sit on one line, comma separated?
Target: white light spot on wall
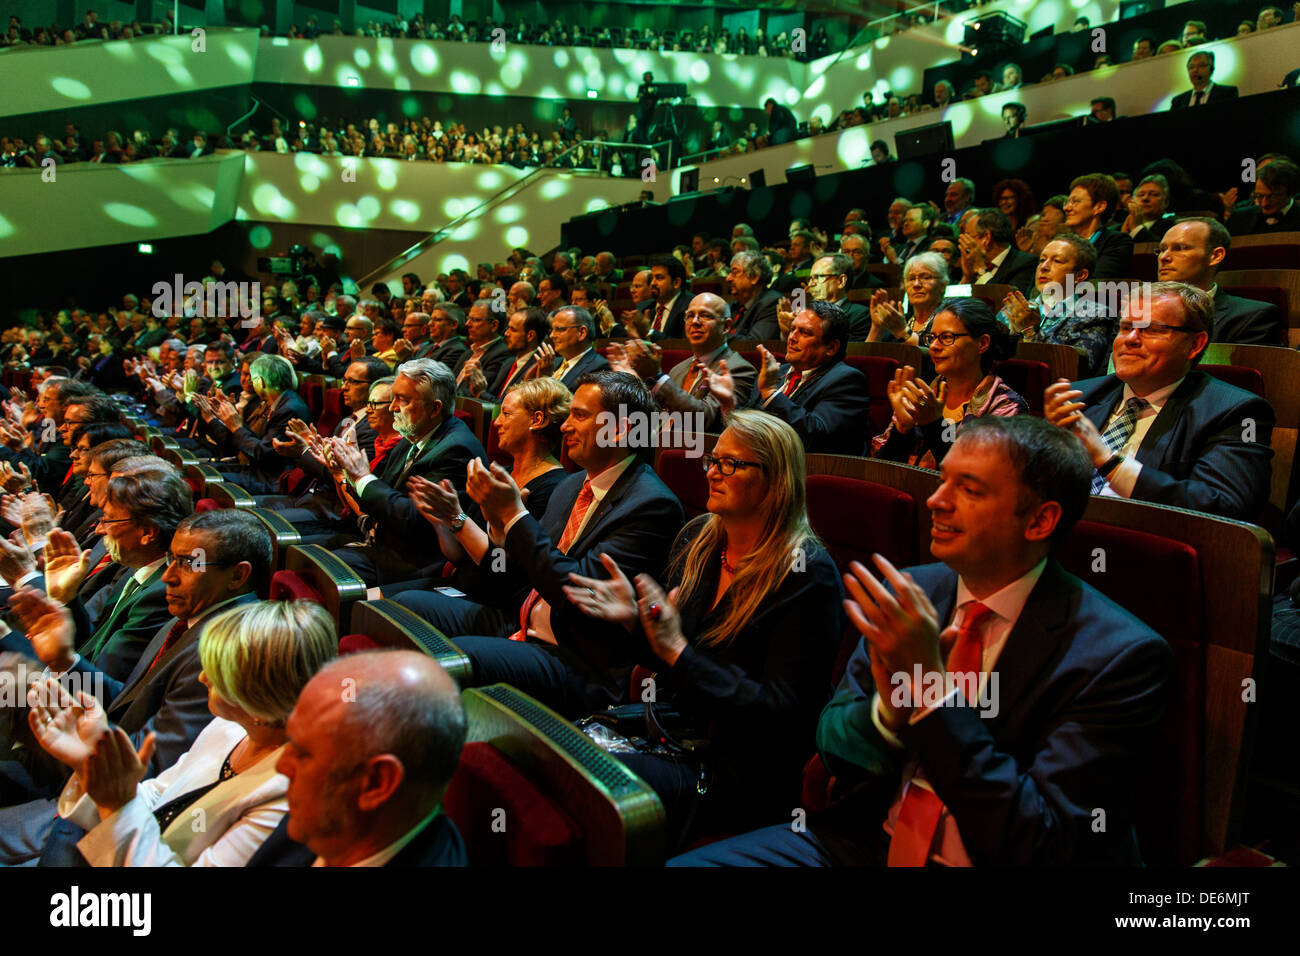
{"x": 181, "y": 75}
{"x": 312, "y": 59}
{"x": 510, "y": 212}
{"x": 515, "y": 236}
{"x": 238, "y": 55}
{"x": 346, "y": 214}
{"x": 309, "y": 183}
{"x": 162, "y": 52}
{"x": 424, "y": 59}
{"x": 453, "y": 206}
{"x": 130, "y": 215}
{"x": 388, "y": 62}
{"x": 72, "y": 89}
{"x": 453, "y": 261}
{"x": 368, "y": 207}
{"x": 267, "y": 199}
{"x": 853, "y": 148}
{"x": 387, "y": 178}
{"x": 361, "y": 58}
{"x": 462, "y": 82}
{"x": 816, "y": 88}
{"x": 561, "y": 58}
{"x": 863, "y": 62}
{"x": 495, "y": 89}
{"x": 553, "y": 188}
{"x": 404, "y": 210}
{"x": 489, "y": 180}
{"x": 700, "y": 71}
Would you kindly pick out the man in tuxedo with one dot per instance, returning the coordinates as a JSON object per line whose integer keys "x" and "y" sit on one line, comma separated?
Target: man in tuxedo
{"x": 684, "y": 388}
{"x": 1200, "y": 67}
{"x": 367, "y": 774}
{"x": 754, "y": 314}
{"x": 435, "y": 445}
{"x": 526, "y": 330}
{"x": 829, "y": 282}
{"x": 668, "y": 287}
{"x": 989, "y": 255}
{"x": 816, "y": 392}
{"x": 616, "y": 507}
{"x": 1192, "y": 251}
{"x": 1081, "y": 686}
{"x": 217, "y": 559}
{"x": 571, "y": 353}
{"x": 1091, "y": 201}
{"x": 488, "y": 351}
{"x": 1160, "y": 430}
{"x": 273, "y": 382}
{"x": 1275, "y": 208}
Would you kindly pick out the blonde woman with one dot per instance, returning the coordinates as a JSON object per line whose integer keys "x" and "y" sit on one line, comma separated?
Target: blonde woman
{"x": 223, "y": 797}
{"x": 744, "y": 642}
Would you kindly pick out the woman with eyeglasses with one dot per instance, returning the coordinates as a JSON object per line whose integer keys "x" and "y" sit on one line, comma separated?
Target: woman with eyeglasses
{"x": 744, "y": 640}
{"x": 965, "y": 341}
{"x": 925, "y": 279}
{"x": 223, "y": 797}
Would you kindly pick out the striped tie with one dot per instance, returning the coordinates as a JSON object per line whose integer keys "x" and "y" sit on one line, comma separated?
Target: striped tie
{"x": 1118, "y": 434}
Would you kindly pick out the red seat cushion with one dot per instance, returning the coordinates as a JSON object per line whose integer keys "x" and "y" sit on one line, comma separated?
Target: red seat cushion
{"x": 879, "y": 371}
{"x": 352, "y": 643}
{"x": 332, "y": 412}
{"x": 1027, "y": 377}
{"x": 685, "y": 476}
{"x": 504, "y": 819}
{"x": 196, "y": 486}
{"x": 671, "y": 358}
{"x": 288, "y": 586}
{"x": 1239, "y": 375}
{"x": 206, "y": 504}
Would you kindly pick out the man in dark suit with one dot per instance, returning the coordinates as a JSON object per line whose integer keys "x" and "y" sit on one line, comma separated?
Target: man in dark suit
{"x": 1275, "y": 208}
{"x": 487, "y": 351}
{"x": 526, "y": 331}
{"x": 1192, "y": 251}
{"x": 435, "y": 445}
{"x": 616, "y": 507}
{"x": 668, "y": 287}
{"x": 571, "y": 353}
{"x": 1159, "y": 430}
{"x": 978, "y": 772}
{"x": 1091, "y": 201}
{"x": 829, "y": 282}
{"x": 754, "y": 313}
{"x": 989, "y": 255}
{"x": 217, "y": 559}
{"x": 395, "y": 743}
{"x": 685, "y": 387}
{"x": 816, "y": 392}
{"x": 781, "y": 124}
{"x": 1200, "y": 67}
{"x": 916, "y": 224}
{"x": 273, "y": 382}
{"x": 857, "y": 247}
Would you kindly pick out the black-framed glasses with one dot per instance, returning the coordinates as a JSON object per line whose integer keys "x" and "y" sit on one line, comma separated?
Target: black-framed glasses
{"x": 354, "y": 381}
{"x": 727, "y": 466}
{"x": 96, "y": 474}
{"x": 380, "y": 404}
{"x": 107, "y": 521}
{"x": 188, "y": 561}
{"x": 1153, "y": 329}
{"x": 946, "y": 339}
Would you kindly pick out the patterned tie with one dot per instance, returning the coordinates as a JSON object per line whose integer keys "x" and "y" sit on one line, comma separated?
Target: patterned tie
{"x": 173, "y": 636}
{"x": 659, "y": 317}
{"x": 576, "y": 517}
{"x": 1119, "y": 432}
{"x": 921, "y": 808}
{"x": 792, "y": 383}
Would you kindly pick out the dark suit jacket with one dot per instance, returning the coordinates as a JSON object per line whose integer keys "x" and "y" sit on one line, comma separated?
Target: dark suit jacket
{"x": 263, "y": 460}
{"x": 1017, "y": 269}
{"x": 449, "y": 353}
{"x": 494, "y": 357}
{"x": 498, "y": 386}
{"x": 865, "y": 280}
{"x": 399, "y": 525}
{"x": 1246, "y": 221}
{"x": 1218, "y": 94}
{"x": 675, "y": 320}
{"x": 831, "y": 413}
{"x": 1194, "y": 455}
{"x": 701, "y": 400}
{"x": 1247, "y": 321}
{"x": 121, "y": 635}
{"x": 438, "y": 844}
{"x": 859, "y": 319}
{"x": 591, "y": 361}
{"x": 758, "y": 320}
{"x": 1082, "y": 685}
{"x": 1114, "y": 254}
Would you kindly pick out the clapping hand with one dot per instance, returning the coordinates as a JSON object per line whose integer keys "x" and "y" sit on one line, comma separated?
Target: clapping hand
{"x": 545, "y": 364}
{"x": 113, "y": 770}
{"x": 494, "y": 491}
{"x": 1021, "y": 314}
{"x": 612, "y": 600}
{"x": 721, "y": 385}
{"x": 66, "y": 566}
{"x": 644, "y": 357}
{"x": 66, "y": 728}
{"x": 16, "y": 560}
{"x": 15, "y": 479}
{"x": 769, "y": 372}
{"x": 437, "y": 501}
{"x": 1061, "y": 407}
{"x": 785, "y": 315}
{"x": 351, "y": 458}
{"x": 887, "y": 315}
{"x": 357, "y": 350}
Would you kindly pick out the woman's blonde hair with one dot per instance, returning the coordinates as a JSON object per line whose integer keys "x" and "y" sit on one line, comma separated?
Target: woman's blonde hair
{"x": 260, "y": 656}
{"x": 548, "y": 396}
{"x": 785, "y": 536}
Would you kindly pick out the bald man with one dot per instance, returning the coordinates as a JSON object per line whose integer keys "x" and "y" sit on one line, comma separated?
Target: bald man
{"x": 373, "y": 743}
{"x": 684, "y": 388}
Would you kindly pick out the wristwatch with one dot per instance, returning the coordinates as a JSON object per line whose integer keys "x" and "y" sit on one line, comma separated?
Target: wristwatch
{"x": 1110, "y": 464}
{"x": 459, "y": 523}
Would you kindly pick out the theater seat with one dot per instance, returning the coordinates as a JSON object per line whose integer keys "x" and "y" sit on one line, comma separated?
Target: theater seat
{"x": 879, "y": 371}
{"x": 1239, "y": 375}
{"x": 504, "y": 819}
{"x": 332, "y": 412}
{"x": 1027, "y": 377}
{"x": 1275, "y": 295}
{"x": 686, "y": 479}
{"x": 283, "y": 534}
{"x": 1158, "y": 580}
{"x": 599, "y": 812}
{"x": 313, "y": 574}
{"x": 671, "y": 358}
{"x": 312, "y": 390}
{"x": 388, "y": 624}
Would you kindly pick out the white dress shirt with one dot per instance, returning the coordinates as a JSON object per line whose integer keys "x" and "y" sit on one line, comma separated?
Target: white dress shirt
{"x": 1123, "y": 479}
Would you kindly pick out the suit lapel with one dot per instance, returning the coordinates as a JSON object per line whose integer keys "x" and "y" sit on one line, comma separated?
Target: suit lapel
{"x": 604, "y": 507}
{"x": 1167, "y": 424}
{"x": 144, "y": 665}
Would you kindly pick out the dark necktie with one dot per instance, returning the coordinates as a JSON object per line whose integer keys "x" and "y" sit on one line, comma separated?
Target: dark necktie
{"x": 173, "y": 636}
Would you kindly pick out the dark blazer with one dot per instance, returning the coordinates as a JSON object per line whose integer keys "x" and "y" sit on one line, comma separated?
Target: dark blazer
{"x": 831, "y": 413}
{"x": 1246, "y": 221}
{"x": 1218, "y": 94}
{"x": 498, "y": 387}
{"x": 675, "y": 320}
{"x": 758, "y": 321}
{"x": 1194, "y": 455}
{"x": 1155, "y": 231}
{"x": 859, "y": 319}
{"x": 1017, "y": 269}
{"x": 591, "y": 361}
{"x": 1247, "y": 321}
{"x": 671, "y": 397}
{"x": 398, "y": 523}
{"x": 1082, "y": 685}
{"x": 495, "y": 356}
{"x": 865, "y": 280}
{"x": 121, "y": 635}
{"x": 635, "y": 524}
{"x": 263, "y": 460}
{"x": 449, "y": 353}
{"x": 1114, "y": 254}
{"x": 438, "y": 844}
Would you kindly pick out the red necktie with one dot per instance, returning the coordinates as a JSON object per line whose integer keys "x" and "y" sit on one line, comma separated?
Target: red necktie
{"x": 792, "y": 383}
{"x": 173, "y": 636}
{"x": 659, "y": 317}
{"x": 576, "y": 517}
{"x": 692, "y": 377}
{"x": 511, "y": 374}
{"x": 919, "y": 812}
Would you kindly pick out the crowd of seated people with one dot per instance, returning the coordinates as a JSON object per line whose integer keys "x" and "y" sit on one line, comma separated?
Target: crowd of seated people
{"x": 560, "y": 562}
{"x": 91, "y": 27}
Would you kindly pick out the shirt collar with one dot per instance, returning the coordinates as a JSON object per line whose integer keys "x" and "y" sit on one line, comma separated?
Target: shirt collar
{"x": 1156, "y": 399}
{"x": 1008, "y": 602}
{"x": 996, "y": 262}
{"x": 711, "y": 357}
{"x": 219, "y": 606}
{"x": 480, "y": 349}
{"x": 569, "y": 363}
{"x": 601, "y": 484}
{"x": 384, "y": 857}
{"x": 143, "y": 574}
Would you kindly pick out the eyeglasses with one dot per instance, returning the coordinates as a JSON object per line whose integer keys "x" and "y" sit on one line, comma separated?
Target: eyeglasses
{"x": 354, "y": 381}
{"x": 822, "y": 275}
{"x": 96, "y": 474}
{"x": 380, "y": 404}
{"x": 107, "y": 521}
{"x": 188, "y": 561}
{"x": 727, "y": 466}
{"x": 1155, "y": 330}
{"x": 945, "y": 339}
{"x": 564, "y": 328}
